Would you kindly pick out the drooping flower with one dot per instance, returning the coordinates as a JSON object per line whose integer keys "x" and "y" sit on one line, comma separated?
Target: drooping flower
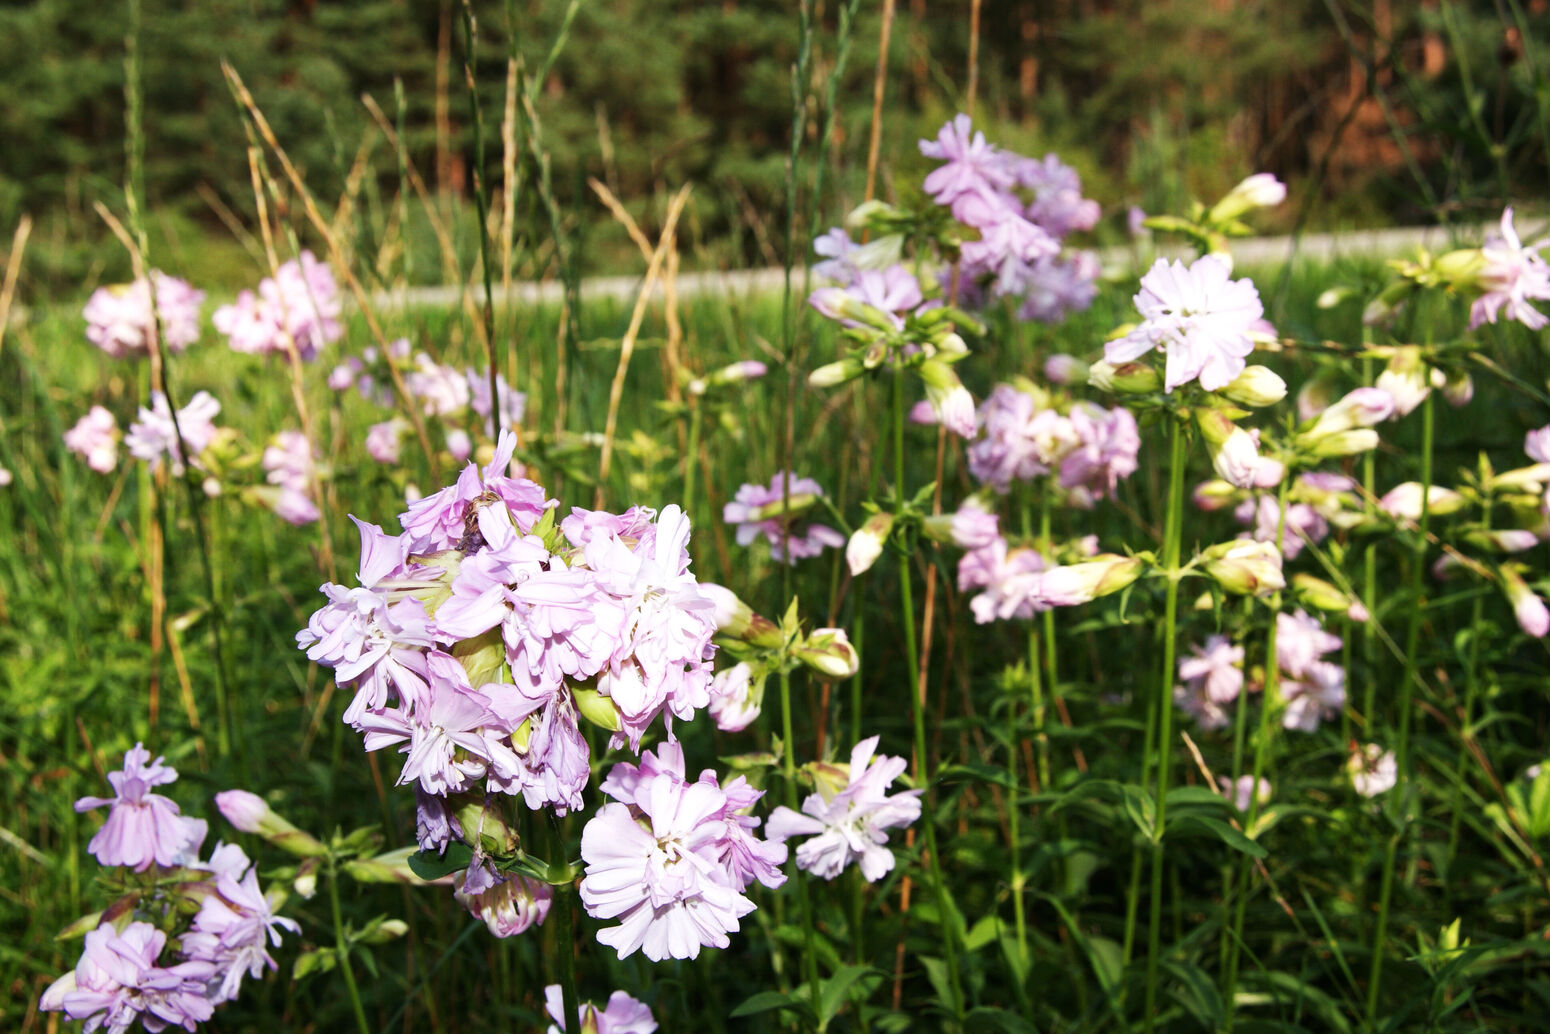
{"x": 234, "y": 930}
{"x": 1514, "y": 274}
{"x": 153, "y": 435}
{"x": 119, "y": 318}
{"x": 142, "y": 828}
{"x": 622, "y": 1015}
{"x": 758, "y": 509}
{"x": 118, "y": 982}
{"x": 850, "y": 825}
{"x": 95, "y": 438}
{"x": 1199, "y": 317}
{"x": 512, "y": 906}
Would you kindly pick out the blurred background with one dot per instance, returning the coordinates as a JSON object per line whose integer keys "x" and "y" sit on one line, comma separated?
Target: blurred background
{"x": 1372, "y": 110}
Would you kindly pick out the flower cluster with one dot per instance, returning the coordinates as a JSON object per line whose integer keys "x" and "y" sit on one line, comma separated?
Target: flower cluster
{"x": 155, "y": 435}
{"x": 1313, "y": 688}
{"x": 289, "y": 465}
{"x": 122, "y": 976}
{"x": 297, "y": 307}
{"x": 622, "y": 1015}
{"x": 95, "y": 439}
{"x": 670, "y": 859}
{"x": 1017, "y": 254}
{"x": 119, "y": 320}
{"x": 1212, "y": 679}
{"x": 776, "y": 512}
{"x": 1022, "y": 435}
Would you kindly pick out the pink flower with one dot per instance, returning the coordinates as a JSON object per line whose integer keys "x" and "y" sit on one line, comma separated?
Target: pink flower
{"x": 885, "y": 295}
{"x": 1300, "y": 642}
{"x": 299, "y": 305}
{"x": 119, "y": 318}
{"x": 1303, "y": 523}
{"x": 1018, "y": 440}
{"x": 143, "y": 828}
{"x": 1199, "y": 317}
{"x": 95, "y": 437}
{"x": 1318, "y": 693}
{"x": 851, "y": 825}
{"x": 757, "y": 510}
{"x": 1373, "y": 770}
{"x": 513, "y": 404}
{"x": 153, "y": 434}
{"x": 289, "y": 462}
{"x": 1216, "y": 669}
{"x": 118, "y": 982}
{"x": 1191, "y": 698}
{"x": 1514, "y": 275}
{"x": 1107, "y": 450}
{"x": 623, "y": 1014}
{"x": 439, "y": 521}
{"x": 233, "y": 931}
{"x": 512, "y": 906}
{"x": 973, "y": 166}
{"x": 734, "y": 698}
{"x": 1052, "y": 288}
{"x": 384, "y": 441}
{"x": 1242, "y": 791}
{"x": 1537, "y": 445}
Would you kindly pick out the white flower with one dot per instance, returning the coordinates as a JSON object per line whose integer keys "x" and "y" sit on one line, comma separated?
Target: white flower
{"x": 1199, "y": 317}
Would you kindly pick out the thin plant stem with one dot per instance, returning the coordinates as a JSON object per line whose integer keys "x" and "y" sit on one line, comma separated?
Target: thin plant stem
{"x": 342, "y": 946}
{"x": 917, "y": 710}
{"x": 570, "y": 1000}
{"x": 1172, "y": 535}
{"x": 1399, "y": 794}
{"x": 1471, "y": 694}
{"x": 481, "y": 205}
{"x": 789, "y": 768}
{"x": 691, "y": 454}
{"x": 1369, "y": 557}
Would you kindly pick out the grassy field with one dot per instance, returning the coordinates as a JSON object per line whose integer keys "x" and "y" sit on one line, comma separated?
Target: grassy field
{"x": 88, "y": 673}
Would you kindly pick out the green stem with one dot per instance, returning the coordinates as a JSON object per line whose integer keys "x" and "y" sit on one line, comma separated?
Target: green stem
{"x": 1471, "y": 694}
{"x": 789, "y": 767}
{"x": 481, "y": 205}
{"x": 1172, "y": 534}
{"x": 342, "y": 945}
{"x": 1398, "y": 796}
{"x": 570, "y": 1000}
{"x": 691, "y": 456}
{"x": 1369, "y": 559}
{"x": 917, "y": 710}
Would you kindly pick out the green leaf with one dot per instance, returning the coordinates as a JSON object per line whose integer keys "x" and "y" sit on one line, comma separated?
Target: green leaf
{"x": 989, "y": 1019}
{"x": 1198, "y": 995}
{"x": 831, "y": 996}
{"x": 1201, "y": 825}
{"x": 765, "y": 1001}
{"x": 976, "y": 772}
{"x": 428, "y": 865}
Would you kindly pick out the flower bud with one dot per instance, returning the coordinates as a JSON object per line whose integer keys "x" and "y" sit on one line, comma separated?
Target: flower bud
{"x": 1316, "y": 592}
{"x": 1363, "y": 407}
{"x": 1460, "y": 269}
{"x": 1404, "y": 502}
{"x": 1215, "y": 495}
{"x": 836, "y": 373}
{"x": 1527, "y": 607}
{"x": 392, "y": 867}
{"x": 251, "y": 814}
{"x": 1334, "y": 296}
{"x": 1091, "y": 579}
{"x": 747, "y": 370}
{"x": 1458, "y": 388}
{"x": 459, "y": 444}
{"x": 1256, "y": 387}
{"x": 1531, "y": 479}
{"x": 950, "y": 400}
{"x": 1124, "y": 379}
{"x": 1261, "y": 190}
{"x": 1506, "y": 540}
{"x": 736, "y": 696}
{"x": 1065, "y": 369}
{"x": 1245, "y": 566}
{"x": 601, "y": 711}
{"x": 385, "y": 932}
{"x": 866, "y": 542}
{"x": 1406, "y": 379}
{"x": 485, "y": 830}
{"x": 511, "y": 906}
{"x": 306, "y": 882}
{"x": 828, "y": 652}
{"x": 1345, "y": 443}
{"x": 868, "y": 213}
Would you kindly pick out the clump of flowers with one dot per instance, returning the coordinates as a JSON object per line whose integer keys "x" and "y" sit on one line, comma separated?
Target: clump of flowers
{"x": 126, "y": 973}
{"x": 154, "y": 436}
{"x": 622, "y": 1015}
{"x": 95, "y": 439}
{"x": 1211, "y": 679}
{"x": 776, "y": 511}
{"x": 298, "y": 307}
{"x": 289, "y": 465}
{"x": 119, "y": 319}
{"x": 1313, "y": 688}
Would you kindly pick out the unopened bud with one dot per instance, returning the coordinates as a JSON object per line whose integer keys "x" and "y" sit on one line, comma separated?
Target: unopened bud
{"x": 1245, "y": 567}
{"x": 834, "y": 374}
{"x": 384, "y": 932}
{"x": 1316, "y": 592}
{"x": 828, "y": 652}
{"x": 1215, "y": 495}
{"x": 1404, "y": 502}
{"x": 1065, "y": 369}
{"x": 866, "y": 542}
{"x": 1346, "y": 443}
{"x": 1527, "y": 607}
{"x": 251, "y": 814}
{"x": 1256, "y": 387}
{"x": 1506, "y": 540}
{"x": 484, "y": 828}
{"x": 1261, "y": 190}
{"x": 601, "y": 711}
{"x": 1406, "y": 379}
{"x": 1124, "y": 379}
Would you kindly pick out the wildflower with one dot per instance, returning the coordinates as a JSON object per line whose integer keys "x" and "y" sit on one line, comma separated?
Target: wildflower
{"x": 1513, "y": 275}
{"x": 1244, "y": 566}
{"x": 759, "y": 509}
{"x": 298, "y": 307}
{"x": 1065, "y": 369}
{"x": 1373, "y": 770}
{"x": 1261, "y": 190}
{"x": 973, "y": 166}
{"x": 443, "y": 733}
{"x": 850, "y": 825}
{"x": 1018, "y": 440}
{"x": 1199, "y": 317}
{"x": 119, "y": 318}
{"x": 657, "y": 860}
{"x": 950, "y": 401}
{"x": 1235, "y": 453}
{"x": 735, "y": 697}
{"x": 142, "y": 827}
{"x": 513, "y": 404}
{"x": 512, "y": 906}
{"x": 622, "y": 1015}
{"x": 459, "y": 444}
{"x": 1053, "y": 287}
{"x": 875, "y": 297}
{"x": 1302, "y": 524}
{"x": 441, "y": 389}
{"x": 1300, "y": 641}
{"x": 1192, "y": 699}
{"x": 1058, "y": 206}
{"x": 290, "y": 465}
{"x": 1216, "y": 668}
{"x": 153, "y": 435}
{"x": 95, "y": 437}
{"x": 866, "y": 542}
{"x": 1107, "y": 450}
{"x": 1531, "y": 612}
{"x": 118, "y": 982}
{"x": 1244, "y": 791}
{"x": 233, "y": 931}
{"x": 384, "y": 441}
{"x": 1318, "y": 693}
{"x": 1404, "y": 502}
{"x": 1406, "y": 379}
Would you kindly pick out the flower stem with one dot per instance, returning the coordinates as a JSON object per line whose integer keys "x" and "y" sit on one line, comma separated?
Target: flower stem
{"x": 342, "y": 946}
{"x": 1471, "y": 694}
{"x": 917, "y": 710}
{"x": 1398, "y": 802}
{"x": 569, "y": 999}
{"x": 809, "y": 953}
{"x": 691, "y": 456}
{"x": 1172, "y": 534}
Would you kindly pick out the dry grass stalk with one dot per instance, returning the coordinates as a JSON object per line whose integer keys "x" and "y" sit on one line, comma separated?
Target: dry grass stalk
{"x": 671, "y": 354}
{"x": 13, "y": 269}
{"x": 879, "y": 83}
{"x": 336, "y": 257}
{"x": 627, "y": 345}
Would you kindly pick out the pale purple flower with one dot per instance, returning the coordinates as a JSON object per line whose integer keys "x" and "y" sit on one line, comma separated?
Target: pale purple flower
{"x": 1316, "y": 694}
{"x": 513, "y": 404}
{"x": 1053, "y": 288}
{"x": 734, "y": 701}
{"x": 152, "y": 436}
{"x": 512, "y": 906}
{"x": 1016, "y": 583}
{"x": 1373, "y": 770}
{"x": 1537, "y": 444}
{"x": 300, "y": 305}
{"x": 893, "y": 293}
{"x": 756, "y": 510}
{"x": 1135, "y": 221}
{"x": 1064, "y": 369}
{"x": 117, "y": 982}
{"x": 972, "y": 166}
{"x": 1215, "y": 669}
{"x": 384, "y": 441}
{"x": 439, "y": 521}
{"x": 289, "y": 463}
{"x": 441, "y": 389}
{"x": 1018, "y": 440}
{"x": 1191, "y": 698}
{"x": 1300, "y": 641}
{"x": 1058, "y": 205}
{"x": 95, "y": 438}
{"x": 974, "y": 527}
{"x": 622, "y": 1015}
{"x": 119, "y": 319}
{"x": 1242, "y": 791}
{"x": 1303, "y": 523}
{"x": 233, "y": 931}
{"x": 851, "y": 825}
{"x": 1199, "y": 317}
{"x": 142, "y": 828}
{"x": 1107, "y": 450}
{"x": 1514, "y": 275}
{"x": 443, "y": 734}
{"x": 836, "y": 247}
{"x": 459, "y": 444}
